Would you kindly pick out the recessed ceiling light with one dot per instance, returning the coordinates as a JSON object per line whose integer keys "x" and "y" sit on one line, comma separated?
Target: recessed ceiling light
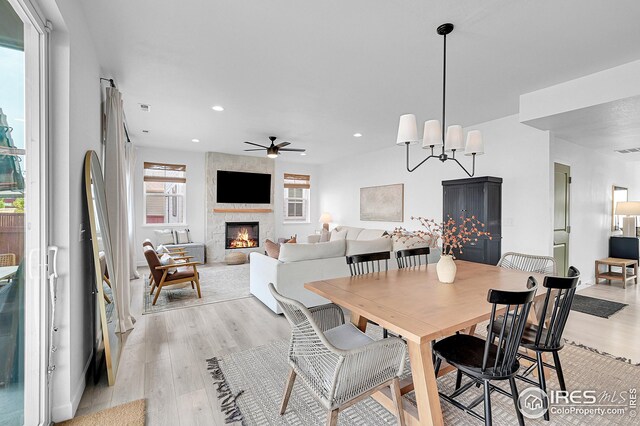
{"x": 357, "y": 135}
{"x": 195, "y": 140}
{"x": 303, "y": 153}
{"x": 217, "y": 108}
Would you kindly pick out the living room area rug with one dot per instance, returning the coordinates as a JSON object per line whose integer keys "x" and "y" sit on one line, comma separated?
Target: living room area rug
{"x": 219, "y": 282}
{"x": 250, "y": 386}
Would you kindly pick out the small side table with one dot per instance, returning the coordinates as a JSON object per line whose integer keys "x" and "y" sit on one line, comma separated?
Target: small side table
{"x": 610, "y": 275}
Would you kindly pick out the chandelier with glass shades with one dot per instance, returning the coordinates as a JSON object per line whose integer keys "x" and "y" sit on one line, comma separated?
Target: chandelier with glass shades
{"x": 433, "y": 129}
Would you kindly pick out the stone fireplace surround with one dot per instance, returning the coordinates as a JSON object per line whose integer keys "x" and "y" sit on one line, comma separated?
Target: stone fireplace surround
{"x": 215, "y": 228}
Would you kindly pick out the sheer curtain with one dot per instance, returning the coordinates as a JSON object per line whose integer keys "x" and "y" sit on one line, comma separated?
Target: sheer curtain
{"x": 130, "y": 158}
{"x": 115, "y": 176}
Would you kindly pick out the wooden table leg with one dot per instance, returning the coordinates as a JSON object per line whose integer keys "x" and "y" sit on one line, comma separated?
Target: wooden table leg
{"x": 359, "y": 321}
{"x": 425, "y": 384}
{"x": 635, "y": 272}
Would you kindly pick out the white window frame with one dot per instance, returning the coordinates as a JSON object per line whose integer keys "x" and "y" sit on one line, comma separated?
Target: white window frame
{"x": 305, "y": 199}
{"x": 184, "y": 204}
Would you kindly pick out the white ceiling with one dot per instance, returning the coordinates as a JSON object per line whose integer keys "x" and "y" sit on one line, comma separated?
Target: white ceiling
{"x": 316, "y": 72}
{"x": 606, "y": 128}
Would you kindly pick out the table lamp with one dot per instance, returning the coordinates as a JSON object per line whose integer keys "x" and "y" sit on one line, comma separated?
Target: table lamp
{"x": 628, "y": 209}
{"x": 325, "y": 218}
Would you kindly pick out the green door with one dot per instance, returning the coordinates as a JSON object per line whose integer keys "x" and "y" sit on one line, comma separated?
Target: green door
{"x": 561, "y": 216}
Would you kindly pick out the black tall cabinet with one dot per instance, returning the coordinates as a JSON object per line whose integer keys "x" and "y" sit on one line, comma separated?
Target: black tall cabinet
{"x": 480, "y": 197}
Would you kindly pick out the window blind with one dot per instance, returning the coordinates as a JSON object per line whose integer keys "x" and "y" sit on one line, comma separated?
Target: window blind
{"x": 297, "y": 181}
{"x": 162, "y": 172}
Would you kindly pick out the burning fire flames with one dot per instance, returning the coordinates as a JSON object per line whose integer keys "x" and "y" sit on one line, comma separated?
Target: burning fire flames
{"x": 242, "y": 240}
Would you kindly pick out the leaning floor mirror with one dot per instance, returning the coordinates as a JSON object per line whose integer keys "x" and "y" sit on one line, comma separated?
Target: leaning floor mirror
{"x": 107, "y": 342}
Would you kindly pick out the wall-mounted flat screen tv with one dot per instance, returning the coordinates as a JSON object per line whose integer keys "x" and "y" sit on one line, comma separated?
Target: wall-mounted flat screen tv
{"x": 242, "y": 187}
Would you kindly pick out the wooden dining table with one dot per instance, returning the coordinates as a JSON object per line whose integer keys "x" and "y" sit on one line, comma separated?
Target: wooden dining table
{"x": 412, "y": 303}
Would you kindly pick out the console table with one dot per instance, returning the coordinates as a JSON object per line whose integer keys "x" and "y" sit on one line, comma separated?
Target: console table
{"x": 610, "y": 275}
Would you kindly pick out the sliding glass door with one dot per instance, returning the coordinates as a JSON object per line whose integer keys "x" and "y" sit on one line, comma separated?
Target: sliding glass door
{"x": 23, "y": 287}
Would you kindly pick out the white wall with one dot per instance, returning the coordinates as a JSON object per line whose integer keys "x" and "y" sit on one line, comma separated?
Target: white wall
{"x": 515, "y": 152}
{"x": 195, "y": 196}
{"x": 75, "y": 128}
{"x": 592, "y": 174}
{"x": 302, "y": 230}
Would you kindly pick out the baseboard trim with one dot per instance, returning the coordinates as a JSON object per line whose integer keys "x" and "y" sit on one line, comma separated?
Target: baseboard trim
{"x": 68, "y": 410}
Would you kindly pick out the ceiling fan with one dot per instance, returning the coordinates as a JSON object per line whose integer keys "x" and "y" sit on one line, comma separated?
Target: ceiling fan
{"x": 274, "y": 150}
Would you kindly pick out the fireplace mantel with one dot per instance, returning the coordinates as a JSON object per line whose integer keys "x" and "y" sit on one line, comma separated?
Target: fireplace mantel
{"x": 243, "y": 210}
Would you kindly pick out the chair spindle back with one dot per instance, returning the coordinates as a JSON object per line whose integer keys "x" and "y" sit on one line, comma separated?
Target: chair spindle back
{"x": 502, "y": 358}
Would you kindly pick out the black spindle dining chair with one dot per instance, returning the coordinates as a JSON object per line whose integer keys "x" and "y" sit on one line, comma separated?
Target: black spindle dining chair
{"x": 547, "y": 335}
{"x": 360, "y": 264}
{"x": 367, "y": 263}
{"x": 408, "y": 258}
{"x": 486, "y": 360}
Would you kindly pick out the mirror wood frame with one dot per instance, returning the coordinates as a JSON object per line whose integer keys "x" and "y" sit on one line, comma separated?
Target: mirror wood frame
{"x": 111, "y": 355}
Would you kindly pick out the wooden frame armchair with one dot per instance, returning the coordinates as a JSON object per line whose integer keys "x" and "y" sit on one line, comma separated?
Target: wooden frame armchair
{"x": 177, "y": 253}
{"x": 187, "y": 272}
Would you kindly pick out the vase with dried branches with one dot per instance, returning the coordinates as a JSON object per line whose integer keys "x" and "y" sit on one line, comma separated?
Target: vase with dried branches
{"x": 451, "y": 236}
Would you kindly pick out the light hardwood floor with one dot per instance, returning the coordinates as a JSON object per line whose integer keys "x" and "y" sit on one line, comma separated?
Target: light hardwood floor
{"x": 617, "y": 335}
{"x": 163, "y": 358}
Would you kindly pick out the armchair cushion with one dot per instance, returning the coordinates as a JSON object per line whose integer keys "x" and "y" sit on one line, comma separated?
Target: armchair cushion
{"x": 347, "y": 336}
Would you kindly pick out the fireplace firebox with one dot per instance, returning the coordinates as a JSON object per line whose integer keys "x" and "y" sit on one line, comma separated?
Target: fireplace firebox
{"x": 241, "y": 235}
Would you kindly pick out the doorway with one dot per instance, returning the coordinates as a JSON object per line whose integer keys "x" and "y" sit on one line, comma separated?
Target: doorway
{"x": 561, "y": 216}
{"x": 23, "y": 214}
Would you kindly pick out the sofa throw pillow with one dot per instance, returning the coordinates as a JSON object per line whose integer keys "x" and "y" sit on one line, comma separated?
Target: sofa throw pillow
{"x": 182, "y": 236}
{"x": 164, "y": 236}
{"x": 272, "y": 249}
{"x": 338, "y": 235}
{"x": 168, "y": 260}
{"x": 352, "y": 232}
{"x": 369, "y": 246}
{"x": 292, "y": 240}
{"x": 325, "y": 236}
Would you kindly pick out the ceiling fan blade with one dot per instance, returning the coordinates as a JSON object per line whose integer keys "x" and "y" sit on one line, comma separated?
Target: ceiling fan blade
{"x": 257, "y": 149}
{"x": 283, "y": 144}
{"x": 257, "y": 144}
{"x": 292, "y": 150}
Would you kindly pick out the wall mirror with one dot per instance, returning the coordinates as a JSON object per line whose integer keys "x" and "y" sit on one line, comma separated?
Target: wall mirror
{"x": 618, "y": 194}
{"x": 107, "y": 342}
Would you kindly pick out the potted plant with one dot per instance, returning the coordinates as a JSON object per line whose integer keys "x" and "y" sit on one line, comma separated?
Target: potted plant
{"x": 450, "y": 235}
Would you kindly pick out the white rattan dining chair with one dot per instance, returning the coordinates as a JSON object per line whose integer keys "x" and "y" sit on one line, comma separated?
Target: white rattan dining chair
{"x": 338, "y": 364}
{"x": 529, "y": 263}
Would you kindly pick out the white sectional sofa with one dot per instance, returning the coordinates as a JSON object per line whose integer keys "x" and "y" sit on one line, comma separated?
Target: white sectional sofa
{"x": 302, "y": 263}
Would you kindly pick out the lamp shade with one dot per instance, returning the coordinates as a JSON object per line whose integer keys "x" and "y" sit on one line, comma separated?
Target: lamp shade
{"x": 475, "y": 145}
{"x": 455, "y": 138}
{"x": 628, "y": 208}
{"x": 407, "y": 130}
{"x": 432, "y": 134}
{"x": 325, "y": 218}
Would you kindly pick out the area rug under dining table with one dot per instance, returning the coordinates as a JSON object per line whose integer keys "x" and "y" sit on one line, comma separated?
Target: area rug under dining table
{"x": 250, "y": 385}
